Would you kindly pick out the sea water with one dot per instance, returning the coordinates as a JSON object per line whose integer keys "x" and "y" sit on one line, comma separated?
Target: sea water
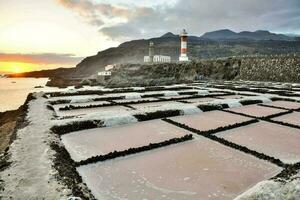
{"x": 14, "y": 91}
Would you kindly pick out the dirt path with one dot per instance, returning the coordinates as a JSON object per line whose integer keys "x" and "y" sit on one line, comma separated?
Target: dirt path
{"x": 30, "y": 175}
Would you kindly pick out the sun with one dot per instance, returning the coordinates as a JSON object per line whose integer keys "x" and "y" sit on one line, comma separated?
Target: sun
{"x": 17, "y": 69}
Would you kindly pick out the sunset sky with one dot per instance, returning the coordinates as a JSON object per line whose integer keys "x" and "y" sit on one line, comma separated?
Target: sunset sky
{"x": 43, "y": 34}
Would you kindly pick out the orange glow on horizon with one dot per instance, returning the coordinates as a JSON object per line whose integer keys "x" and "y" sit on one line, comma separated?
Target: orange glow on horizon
{"x": 17, "y": 67}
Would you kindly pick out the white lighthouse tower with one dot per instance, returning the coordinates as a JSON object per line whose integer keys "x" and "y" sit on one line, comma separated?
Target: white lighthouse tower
{"x": 183, "y": 52}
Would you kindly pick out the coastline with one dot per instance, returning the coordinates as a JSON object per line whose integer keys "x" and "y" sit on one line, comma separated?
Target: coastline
{"x": 10, "y": 122}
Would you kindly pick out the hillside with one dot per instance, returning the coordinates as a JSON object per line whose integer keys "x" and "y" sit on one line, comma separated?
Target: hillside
{"x": 259, "y": 42}
{"x": 273, "y": 68}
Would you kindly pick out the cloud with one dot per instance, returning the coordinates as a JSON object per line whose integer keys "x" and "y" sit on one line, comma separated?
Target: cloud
{"x": 197, "y": 16}
{"x": 97, "y": 13}
{"x": 42, "y": 59}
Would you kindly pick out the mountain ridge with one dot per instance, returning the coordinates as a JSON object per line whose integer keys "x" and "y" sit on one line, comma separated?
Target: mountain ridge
{"x": 227, "y": 34}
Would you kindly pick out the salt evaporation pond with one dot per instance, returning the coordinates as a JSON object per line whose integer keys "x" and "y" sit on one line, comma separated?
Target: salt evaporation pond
{"x": 199, "y": 169}
{"x": 199, "y": 100}
{"x": 101, "y": 110}
{"x": 77, "y": 98}
{"x": 176, "y": 97}
{"x": 292, "y": 118}
{"x": 134, "y": 100}
{"x": 92, "y": 103}
{"x": 144, "y": 106}
{"x": 284, "y": 104}
{"x": 256, "y": 111}
{"x": 210, "y": 120}
{"x": 275, "y": 140}
{"x": 100, "y": 141}
{"x": 232, "y": 97}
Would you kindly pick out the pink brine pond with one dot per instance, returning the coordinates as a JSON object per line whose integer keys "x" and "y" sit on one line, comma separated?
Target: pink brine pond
{"x": 210, "y": 120}
{"x": 292, "y": 118}
{"x": 278, "y": 141}
{"x": 284, "y": 104}
{"x": 198, "y": 169}
{"x": 256, "y": 111}
{"x": 100, "y": 141}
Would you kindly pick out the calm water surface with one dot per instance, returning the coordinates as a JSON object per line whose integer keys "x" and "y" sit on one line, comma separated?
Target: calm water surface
{"x": 13, "y": 91}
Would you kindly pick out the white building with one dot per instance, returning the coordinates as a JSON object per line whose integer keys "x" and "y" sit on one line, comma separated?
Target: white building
{"x": 109, "y": 67}
{"x": 104, "y": 73}
{"x": 157, "y": 59}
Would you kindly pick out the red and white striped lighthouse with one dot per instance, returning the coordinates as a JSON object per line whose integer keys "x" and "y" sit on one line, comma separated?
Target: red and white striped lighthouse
{"x": 183, "y": 52}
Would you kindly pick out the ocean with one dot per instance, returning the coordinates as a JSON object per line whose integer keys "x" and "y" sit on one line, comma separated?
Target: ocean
{"x": 13, "y": 91}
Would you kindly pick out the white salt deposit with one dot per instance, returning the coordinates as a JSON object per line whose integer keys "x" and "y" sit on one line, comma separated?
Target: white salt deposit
{"x": 264, "y": 98}
{"x": 190, "y": 110}
{"x": 111, "y": 119}
{"x": 133, "y": 95}
{"x": 203, "y": 92}
{"x": 232, "y": 103}
{"x": 170, "y": 93}
{"x": 119, "y": 120}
